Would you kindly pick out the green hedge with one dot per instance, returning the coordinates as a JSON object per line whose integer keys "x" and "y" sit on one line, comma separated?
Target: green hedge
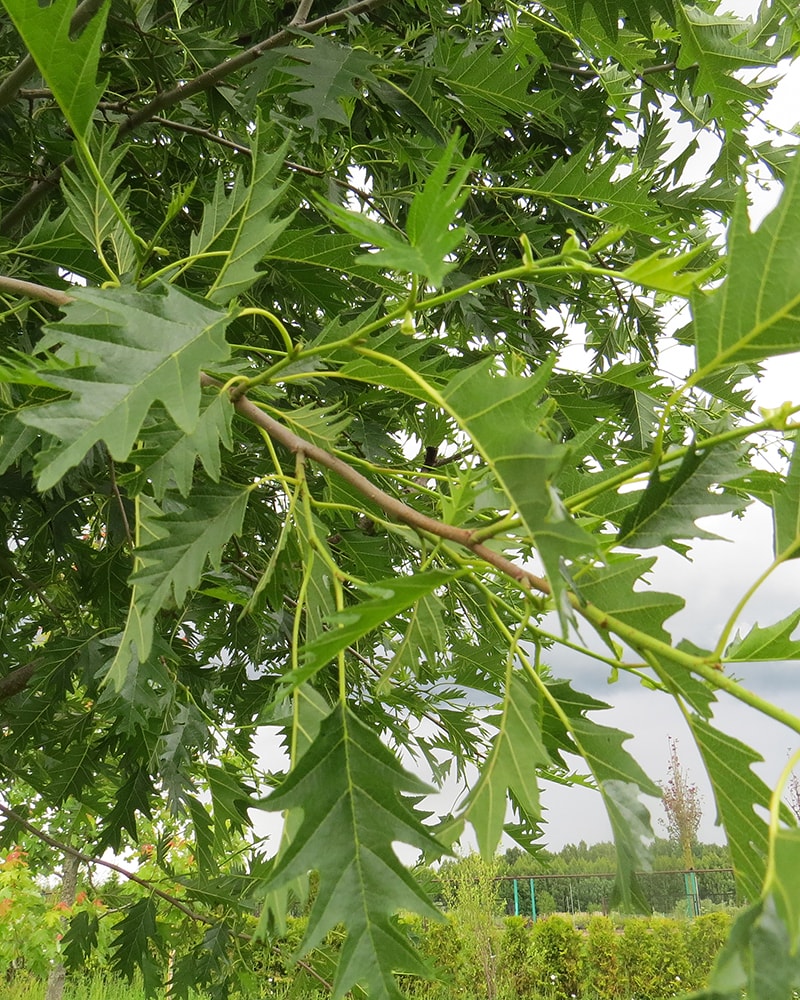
{"x": 646, "y": 958}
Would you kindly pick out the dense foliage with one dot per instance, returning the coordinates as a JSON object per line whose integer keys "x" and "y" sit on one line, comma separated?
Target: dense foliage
{"x": 289, "y": 440}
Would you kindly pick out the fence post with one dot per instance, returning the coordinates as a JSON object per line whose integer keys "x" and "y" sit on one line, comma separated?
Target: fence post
{"x": 533, "y": 903}
{"x": 516, "y": 898}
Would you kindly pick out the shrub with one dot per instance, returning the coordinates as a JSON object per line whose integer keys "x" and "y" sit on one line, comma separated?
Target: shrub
{"x": 557, "y": 958}
{"x": 515, "y": 974}
{"x": 704, "y": 938}
{"x": 602, "y": 966}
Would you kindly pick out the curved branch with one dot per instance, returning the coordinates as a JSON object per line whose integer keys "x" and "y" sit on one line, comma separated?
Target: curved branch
{"x": 167, "y": 98}
{"x": 17, "y": 680}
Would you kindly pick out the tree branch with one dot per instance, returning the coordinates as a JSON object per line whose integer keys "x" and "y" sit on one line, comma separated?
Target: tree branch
{"x": 175, "y": 95}
{"x": 390, "y": 505}
{"x": 17, "y": 680}
{"x": 30, "y": 290}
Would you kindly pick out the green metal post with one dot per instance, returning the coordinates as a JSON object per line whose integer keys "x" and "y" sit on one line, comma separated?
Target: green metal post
{"x": 533, "y": 903}
{"x": 516, "y": 898}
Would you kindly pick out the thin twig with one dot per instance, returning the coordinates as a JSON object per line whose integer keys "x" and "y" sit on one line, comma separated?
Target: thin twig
{"x": 303, "y": 10}
{"x": 30, "y": 290}
{"x": 175, "y": 95}
{"x": 115, "y": 490}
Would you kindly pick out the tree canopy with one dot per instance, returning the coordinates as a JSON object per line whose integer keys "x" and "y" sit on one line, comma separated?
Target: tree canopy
{"x": 290, "y": 442}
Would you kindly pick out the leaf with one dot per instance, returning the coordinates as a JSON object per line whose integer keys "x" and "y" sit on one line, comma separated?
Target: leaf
{"x": 239, "y": 226}
{"x": 137, "y": 937}
{"x": 669, "y": 507}
{"x": 784, "y": 883}
{"x": 773, "y": 642}
{"x": 620, "y": 781}
{"x": 786, "y": 511}
{"x": 183, "y": 539}
{"x": 90, "y": 211}
{"x": 611, "y": 588}
{"x": 230, "y": 800}
{"x": 755, "y": 314}
{"x": 346, "y": 627}
{"x": 80, "y": 939}
{"x": 333, "y": 75}
{"x": 756, "y": 960}
{"x": 136, "y": 348}
{"x": 431, "y": 233}
{"x": 68, "y": 65}
{"x": 503, "y": 415}
{"x": 516, "y": 754}
{"x": 670, "y": 273}
{"x": 167, "y": 457}
{"x": 738, "y": 792}
{"x": 349, "y": 787}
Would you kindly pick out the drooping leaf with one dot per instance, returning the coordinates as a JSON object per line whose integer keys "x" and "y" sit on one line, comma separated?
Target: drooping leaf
{"x": 755, "y": 314}
{"x": 517, "y": 751}
{"x": 68, "y": 64}
{"x": 183, "y": 538}
{"x": 135, "y": 348}
{"x": 738, "y": 792}
{"x": 618, "y": 776}
{"x": 350, "y": 789}
{"x": 137, "y": 938}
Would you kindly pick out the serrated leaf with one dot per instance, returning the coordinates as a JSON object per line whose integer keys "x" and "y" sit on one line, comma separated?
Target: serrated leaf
{"x": 669, "y": 506}
{"x": 136, "y": 348}
{"x": 332, "y": 74}
{"x": 517, "y": 751}
{"x": 230, "y": 800}
{"x": 755, "y": 314}
{"x": 184, "y": 538}
{"x": 620, "y": 780}
{"x": 773, "y": 642}
{"x": 786, "y": 511}
{"x": 611, "y": 588}
{"x": 137, "y": 936}
{"x": 393, "y": 596}
{"x": 91, "y": 212}
{"x": 737, "y": 792}
{"x": 309, "y": 708}
{"x": 430, "y": 225}
{"x": 240, "y": 225}
{"x": 669, "y": 272}
{"x": 68, "y": 65}
{"x": 503, "y": 416}
{"x": 80, "y": 939}
{"x": 350, "y": 789}
{"x": 168, "y": 455}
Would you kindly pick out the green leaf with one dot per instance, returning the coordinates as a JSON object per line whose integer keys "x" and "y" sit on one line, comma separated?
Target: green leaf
{"x": 135, "y": 348}
{"x": 773, "y": 642}
{"x": 784, "y": 882}
{"x": 669, "y": 507}
{"x": 738, "y": 792}
{"x": 68, "y": 65}
{"x": 184, "y": 536}
{"x": 611, "y": 588}
{"x": 517, "y": 751}
{"x": 786, "y": 511}
{"x": 669, "y": 272}
{"x": 503, "y": 416}
{"x": 90, "y": 211}
{"x": 431, "y": 233}
{"x": 239, "y": 225}
{"x": 349, "y": 788}
{"x": 333, "y": 76}
{"x": 137, "y": 938}
{"x": 755, "y": 314}
{"x": 346, "y": 627}
{"x": 167, "y": 457}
